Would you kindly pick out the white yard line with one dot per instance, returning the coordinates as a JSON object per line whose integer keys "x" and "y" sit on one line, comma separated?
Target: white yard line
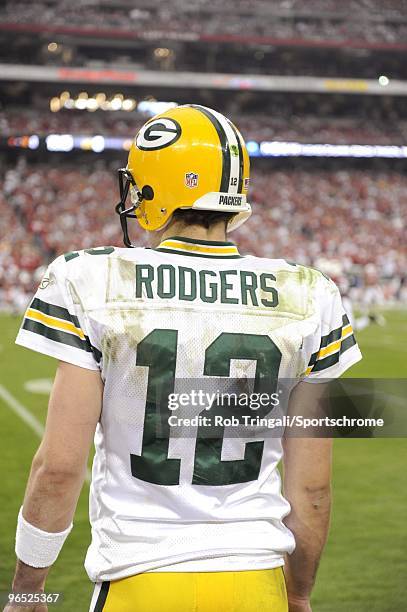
{"x": 21, "y": 411}
{"x": 28, "y": 418}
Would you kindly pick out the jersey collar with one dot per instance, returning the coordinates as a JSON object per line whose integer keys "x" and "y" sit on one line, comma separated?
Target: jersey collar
{"x": 199, "y": 248}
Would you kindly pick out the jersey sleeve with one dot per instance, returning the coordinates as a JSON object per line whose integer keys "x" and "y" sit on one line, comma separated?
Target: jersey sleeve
{"x": 56, "y": 326}
{"x": 333, "y": 348}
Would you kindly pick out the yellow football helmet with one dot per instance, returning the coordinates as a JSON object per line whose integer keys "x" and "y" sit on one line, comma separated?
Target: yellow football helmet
{"x": 188, "y": 157}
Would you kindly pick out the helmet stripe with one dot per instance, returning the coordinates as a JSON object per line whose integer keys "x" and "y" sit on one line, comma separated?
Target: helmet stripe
{"x": 233, "y": 150}
{"x": 215, "y": 119}
{"x": 239, "y": 146}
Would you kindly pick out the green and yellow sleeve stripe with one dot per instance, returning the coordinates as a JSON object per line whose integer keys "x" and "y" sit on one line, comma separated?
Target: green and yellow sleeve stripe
{"x": 58, "y": 324}
{"x": 332, "y": 346}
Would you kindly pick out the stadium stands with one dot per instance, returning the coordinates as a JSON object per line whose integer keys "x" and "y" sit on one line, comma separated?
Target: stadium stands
{"x": 285, "y": 20}
{"x": 303, "y": 213}
{"x": 254, "y": 126}
{"x": 352, "y": 216}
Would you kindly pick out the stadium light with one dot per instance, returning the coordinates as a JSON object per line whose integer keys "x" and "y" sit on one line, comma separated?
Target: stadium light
{"x": 253, "y": 148}
{"x": 92, "y": 104}
{"x": 99, "y": 143}
{"x": 383, "y": 80}
{"x": 59, "y": 142}
{"x": 55, "y": 105}
{"x": 129, "y": 104}
{"x": 162, "y": 52}
{"x": 116, "y": 104}
{"x": 81, "y": 103}
{"x": 154, "y": 107}
{"x": 33, "y": 142}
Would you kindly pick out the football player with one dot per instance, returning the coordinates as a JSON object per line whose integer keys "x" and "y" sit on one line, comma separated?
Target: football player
{"x": 181, "y": 522}
{"x": 370, "y": 294}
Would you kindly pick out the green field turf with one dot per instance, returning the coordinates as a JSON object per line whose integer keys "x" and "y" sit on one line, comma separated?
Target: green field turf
{"x": 364, "y": 566}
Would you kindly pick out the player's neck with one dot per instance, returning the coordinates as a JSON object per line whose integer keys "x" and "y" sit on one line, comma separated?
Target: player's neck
{"x": 217, "y": 232}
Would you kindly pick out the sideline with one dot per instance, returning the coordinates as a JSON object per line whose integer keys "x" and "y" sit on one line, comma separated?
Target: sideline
{"x": 29, "y": 419}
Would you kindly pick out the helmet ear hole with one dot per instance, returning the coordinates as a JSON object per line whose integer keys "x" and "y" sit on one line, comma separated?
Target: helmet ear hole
{"x": 147, "y": 192}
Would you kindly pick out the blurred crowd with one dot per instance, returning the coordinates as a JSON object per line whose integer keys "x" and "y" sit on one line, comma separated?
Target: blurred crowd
{"x": 356, "y": 219}
{"x": 370, "y": 20}
{"x": 14, "y": 122}
{"x": 255, "y": 126}
{"x": 314, "y": 129}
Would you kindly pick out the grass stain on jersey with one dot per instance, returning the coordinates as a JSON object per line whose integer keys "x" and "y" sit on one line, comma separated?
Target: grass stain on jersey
{"x": 126, "y": 270}
{"x": 295, "y": 290}
{"x": 132, "y": 321}
{"x": 121, "y": 280}
{"x": 124, "y": 329}
{"x": 110, "y": 345}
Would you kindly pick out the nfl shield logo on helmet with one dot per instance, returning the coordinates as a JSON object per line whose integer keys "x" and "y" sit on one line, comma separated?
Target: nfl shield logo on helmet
{"x": 191, "y": 179}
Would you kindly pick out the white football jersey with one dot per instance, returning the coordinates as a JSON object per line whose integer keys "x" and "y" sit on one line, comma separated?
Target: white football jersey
{"x": 149, "y": 319}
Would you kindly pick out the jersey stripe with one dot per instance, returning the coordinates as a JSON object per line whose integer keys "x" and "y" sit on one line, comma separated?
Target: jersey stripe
{"x": 199, "y": 248}
{"x": 193, "y": 254}
{"x": 335, "y": 334}
{"x": 57, "y": 330}
{"x": 54, "y": 311}
{"x": 56, "y": 335}
{"x": 327, "y": 362}
{"x": 55, "y": 323}
{"x": 334, "y": 346}
{"x": 331, "y": 347}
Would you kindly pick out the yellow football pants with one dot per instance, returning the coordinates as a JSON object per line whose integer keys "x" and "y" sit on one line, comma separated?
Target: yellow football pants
{"x": 249, "y": 591}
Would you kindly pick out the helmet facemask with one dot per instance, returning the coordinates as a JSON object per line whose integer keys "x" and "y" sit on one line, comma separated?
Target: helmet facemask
{"x": 126, "y": 184}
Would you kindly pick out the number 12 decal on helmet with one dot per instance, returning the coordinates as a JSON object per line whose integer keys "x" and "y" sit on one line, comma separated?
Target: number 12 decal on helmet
{"x": 168, "y": 153}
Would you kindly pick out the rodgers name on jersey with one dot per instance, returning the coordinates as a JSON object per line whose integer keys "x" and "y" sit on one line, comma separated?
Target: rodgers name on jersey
{"x": 148, "y": 319}
{"x": 166, "y": 281}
